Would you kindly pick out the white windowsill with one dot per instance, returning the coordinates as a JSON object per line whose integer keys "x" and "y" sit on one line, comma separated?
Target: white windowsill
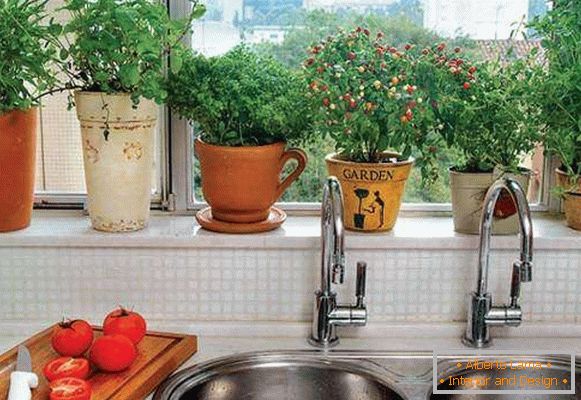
{"x": 72, "y": 229}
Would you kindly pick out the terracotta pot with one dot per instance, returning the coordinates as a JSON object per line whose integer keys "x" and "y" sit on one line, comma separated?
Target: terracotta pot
{"x": 468, "y": 192}
{"x": 571, "y": 199}
{"x": 118, "y": 166}
{"x": 17, "y": 168}
{"x": 242, "y": 183}
{"x": 372, "y": 192}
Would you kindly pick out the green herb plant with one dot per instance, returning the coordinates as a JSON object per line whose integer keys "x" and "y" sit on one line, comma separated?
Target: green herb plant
{"x": 558, "y": 91}
{"x": 29, "y": 53}
{"x": 365, "y": 96}
{"x": 240, "y": 98}
{"x": 121, "y": 46}
{"x": 484, "y": 110}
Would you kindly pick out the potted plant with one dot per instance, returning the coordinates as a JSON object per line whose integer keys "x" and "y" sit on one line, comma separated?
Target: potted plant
{"x": 485, "y": 112}
{"x": 366, "y": 99}
{"x": 29, "y": 56}
{"x": 116, "y": 57}
{"x": 559, "y": 96}
{"x": 247, "y": 108}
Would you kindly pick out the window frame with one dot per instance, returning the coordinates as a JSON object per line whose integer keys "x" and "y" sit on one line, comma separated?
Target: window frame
{"x": 176, "y": 193}
{"x": 72, "y": 200}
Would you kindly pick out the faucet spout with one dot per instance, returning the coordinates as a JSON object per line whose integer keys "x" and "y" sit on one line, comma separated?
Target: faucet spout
{"x": 328, "y": 314}
{"x": 482, "y": 313}
{"x": 332, "y": 236}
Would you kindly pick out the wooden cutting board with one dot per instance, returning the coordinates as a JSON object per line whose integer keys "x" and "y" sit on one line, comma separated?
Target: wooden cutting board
{"x": 160, "y": 354}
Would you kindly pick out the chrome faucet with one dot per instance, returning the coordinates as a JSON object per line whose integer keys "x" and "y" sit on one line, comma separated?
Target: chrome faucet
{"x": 481, "y": 313}
{"x": 327, "y": 313}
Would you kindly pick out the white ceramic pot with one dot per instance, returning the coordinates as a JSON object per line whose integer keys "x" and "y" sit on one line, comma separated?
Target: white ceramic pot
{"x": 118, "y": 165}
{"x": 468, "y": 192}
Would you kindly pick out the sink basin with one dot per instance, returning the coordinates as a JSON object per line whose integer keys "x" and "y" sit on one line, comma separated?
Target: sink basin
{"x": 559, "y": 371}
{"x": 280, "y": 376}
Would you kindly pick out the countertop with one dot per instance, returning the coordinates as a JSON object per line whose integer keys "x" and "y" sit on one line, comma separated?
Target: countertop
{"x": 214, "y": 346}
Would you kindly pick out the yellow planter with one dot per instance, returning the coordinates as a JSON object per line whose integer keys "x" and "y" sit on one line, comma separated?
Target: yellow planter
{"x": 372, "y": 192}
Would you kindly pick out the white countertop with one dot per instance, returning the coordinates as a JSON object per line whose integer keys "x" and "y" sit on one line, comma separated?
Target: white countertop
{"x": 218, "y": 346}
{"x": 72, "y": 229}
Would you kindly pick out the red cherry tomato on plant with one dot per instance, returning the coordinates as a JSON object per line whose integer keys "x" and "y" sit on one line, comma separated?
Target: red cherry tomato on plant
{"x": 66, "y": 367}
{"x": 113, "y": 353}
{"x": 72, "y": 338}
{"x": 466, "y": 85}
{"x": 127, "y": 323}
{"x": 70, "y": 389}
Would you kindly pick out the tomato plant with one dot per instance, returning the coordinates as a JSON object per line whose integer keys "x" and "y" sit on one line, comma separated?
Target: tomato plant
{"x": 127, "y": 323}
{"x": 365, "y": 95}
{"x": 70, "y": 389}
{"x": 72, "y": 338}
{"x": 113, "y": 353}
{"x": 67, "y": 367}
{"x": 485, "y": 111}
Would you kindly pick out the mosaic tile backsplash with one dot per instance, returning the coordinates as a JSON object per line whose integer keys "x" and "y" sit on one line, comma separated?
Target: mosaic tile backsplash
{"x": 43, "y": 284}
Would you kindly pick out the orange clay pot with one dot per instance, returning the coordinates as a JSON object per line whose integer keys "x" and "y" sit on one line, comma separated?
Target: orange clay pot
{"x": 17, "y": 167}
{"x": 242, "y": 183}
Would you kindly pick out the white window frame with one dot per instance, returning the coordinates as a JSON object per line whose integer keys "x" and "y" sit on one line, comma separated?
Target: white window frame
{"x": 70, "y": 200}
{"x": 177, "y": 189}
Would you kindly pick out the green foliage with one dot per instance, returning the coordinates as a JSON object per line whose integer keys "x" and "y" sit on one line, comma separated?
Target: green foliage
{"x": 28, "y": 52}
{"x": 240, "y": 98}
{"x": 309, "y": 27}
{"x": 485, "y": 110}
{"x": 365, "y": 96}
{"x": 120, "y": 46}
{"x": 558, "y": 88}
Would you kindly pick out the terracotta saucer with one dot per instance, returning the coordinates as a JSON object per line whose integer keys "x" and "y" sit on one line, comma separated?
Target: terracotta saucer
{"x": 274, "y": 220}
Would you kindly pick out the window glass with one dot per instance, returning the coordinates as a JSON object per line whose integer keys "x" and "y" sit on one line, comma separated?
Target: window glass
{"x": 285, "y": 28}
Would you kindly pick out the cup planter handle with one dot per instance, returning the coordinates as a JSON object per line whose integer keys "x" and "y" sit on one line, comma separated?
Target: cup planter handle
{"x": 291, "y": 154}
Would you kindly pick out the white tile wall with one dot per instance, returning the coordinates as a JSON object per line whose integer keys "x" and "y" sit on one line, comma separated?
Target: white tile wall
{"x": 169, "y": 284}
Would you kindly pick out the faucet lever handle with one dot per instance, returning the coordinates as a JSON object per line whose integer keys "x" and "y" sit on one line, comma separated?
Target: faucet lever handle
{"x": 361, "y": 282}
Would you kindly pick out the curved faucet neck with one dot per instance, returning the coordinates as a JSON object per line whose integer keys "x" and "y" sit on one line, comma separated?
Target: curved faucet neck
{"x": 332, "y": 236}
{"x": 525, "y": 224}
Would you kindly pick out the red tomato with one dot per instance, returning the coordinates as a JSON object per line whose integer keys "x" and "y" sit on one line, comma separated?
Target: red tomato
{"x": 127, "y": 323}
{"x": 66, "y": 367}
{"x": 113, "y": 353}
{"x": 70, "y": 389}
{"x": 72, "y": 338}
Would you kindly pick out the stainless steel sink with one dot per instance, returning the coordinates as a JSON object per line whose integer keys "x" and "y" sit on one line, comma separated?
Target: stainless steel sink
{"x": 330, "y": 375}
{"x": 559, "y": 369}
{"x": 301, "y": 375}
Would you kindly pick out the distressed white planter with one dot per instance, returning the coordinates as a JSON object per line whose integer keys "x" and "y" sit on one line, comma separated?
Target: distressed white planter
{"x": 118, "y": 169}
{"x": 468, "y": 192}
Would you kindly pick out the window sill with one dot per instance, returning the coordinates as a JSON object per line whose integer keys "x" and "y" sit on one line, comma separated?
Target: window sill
{"x": 71, "y": 229}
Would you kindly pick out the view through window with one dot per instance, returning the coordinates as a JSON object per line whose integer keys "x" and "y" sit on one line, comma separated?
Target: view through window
{"x": 285, "y": 28}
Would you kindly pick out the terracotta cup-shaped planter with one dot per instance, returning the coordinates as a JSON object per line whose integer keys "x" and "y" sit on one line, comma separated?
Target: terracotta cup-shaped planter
{"x": 17, "y": 168}
{"x": 372, "y": 192}
{"x": 571, "y": 199}
{"x": 468, "y": 192}
{"x": 118, "y": 165}
{"x": 242, "y": 183}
